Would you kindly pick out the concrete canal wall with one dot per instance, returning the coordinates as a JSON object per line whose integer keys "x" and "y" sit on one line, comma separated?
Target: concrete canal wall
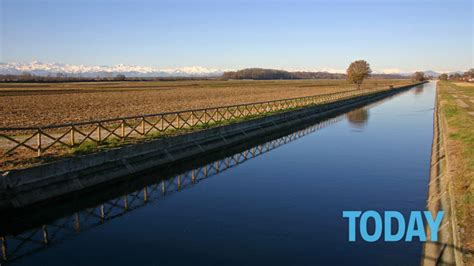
{"x": 23, "y": 187}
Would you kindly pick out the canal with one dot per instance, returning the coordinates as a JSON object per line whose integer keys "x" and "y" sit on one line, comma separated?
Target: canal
{"x": 277, "y": 201}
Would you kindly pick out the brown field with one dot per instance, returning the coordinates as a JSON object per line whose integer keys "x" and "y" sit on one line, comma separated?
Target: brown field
{"x": 34, "y": 104}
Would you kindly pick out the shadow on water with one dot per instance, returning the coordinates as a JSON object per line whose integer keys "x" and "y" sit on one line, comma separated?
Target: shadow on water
{"x": 31, "y": 230}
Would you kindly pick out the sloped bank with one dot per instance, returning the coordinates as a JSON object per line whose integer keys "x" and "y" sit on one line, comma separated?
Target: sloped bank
{"x": 19, "y": 188}
{"x": 444, "y": 250}
{"x": 451, "y": 247}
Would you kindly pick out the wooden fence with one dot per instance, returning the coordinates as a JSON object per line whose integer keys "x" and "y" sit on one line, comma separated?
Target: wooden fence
{"x": 38, "y": 141}
{"x": 15, "y": 246}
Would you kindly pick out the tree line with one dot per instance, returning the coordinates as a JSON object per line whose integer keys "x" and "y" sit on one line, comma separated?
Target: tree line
{"x": 466, "y": 76}
{"x": 267, "y": 74}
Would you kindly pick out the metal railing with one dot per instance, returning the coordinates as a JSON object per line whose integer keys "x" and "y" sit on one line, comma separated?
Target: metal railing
{"x": 19, "y": 245}
{"x": 38, "y": 141}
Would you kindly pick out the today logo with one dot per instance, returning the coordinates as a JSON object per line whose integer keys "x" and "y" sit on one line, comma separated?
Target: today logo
{"x": 415, "y": 227}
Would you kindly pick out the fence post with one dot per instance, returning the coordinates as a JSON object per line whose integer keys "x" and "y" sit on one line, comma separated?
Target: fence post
{"x": 123, "y": 129}
{"x": 39, "y": 142}
{"x": 145, "y": 194}
{"x": 99, "y": 127}
{"x": 163, "y": 187}
{"x": 125, "y": 202}
{"x": 77, "y": 223}
{"x": 45, "y": 234}
{"x": 162, "y": 123}
{"x": 72, "y": 136}
{"x": 4, "y": 248}
{"x": 102, "y": 213}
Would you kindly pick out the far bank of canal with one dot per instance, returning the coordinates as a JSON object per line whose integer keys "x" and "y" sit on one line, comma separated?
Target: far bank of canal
{"x": 283, "y": 207}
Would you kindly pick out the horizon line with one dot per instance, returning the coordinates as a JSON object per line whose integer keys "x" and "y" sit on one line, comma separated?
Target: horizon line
{"x": 37, "y": 65}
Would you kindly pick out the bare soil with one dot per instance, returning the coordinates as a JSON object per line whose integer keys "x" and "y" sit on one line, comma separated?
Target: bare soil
{"x": 40, "y": 104}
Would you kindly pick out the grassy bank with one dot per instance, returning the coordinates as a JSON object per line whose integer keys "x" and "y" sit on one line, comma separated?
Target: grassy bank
{"x": 456, "y": 105}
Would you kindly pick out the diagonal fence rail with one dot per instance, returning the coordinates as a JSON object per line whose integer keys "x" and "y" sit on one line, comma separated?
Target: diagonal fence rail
{"x": 31, "y": 142}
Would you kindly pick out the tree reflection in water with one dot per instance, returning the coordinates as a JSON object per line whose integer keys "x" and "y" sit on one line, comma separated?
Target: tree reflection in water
{"x": 358, "y": 117}
{"x": 418, "y": 90}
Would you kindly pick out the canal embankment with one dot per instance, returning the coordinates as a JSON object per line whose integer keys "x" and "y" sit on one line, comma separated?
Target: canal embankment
{"x": 451, "y": 187}
{"x": 28, "y": 186}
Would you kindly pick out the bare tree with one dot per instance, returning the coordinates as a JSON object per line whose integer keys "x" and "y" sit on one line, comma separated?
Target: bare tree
{"x": 418, "y": 76}
{"x": 358, "y": 71}
{"x": 455, "y": 76}
{"x": 469, "y": 74}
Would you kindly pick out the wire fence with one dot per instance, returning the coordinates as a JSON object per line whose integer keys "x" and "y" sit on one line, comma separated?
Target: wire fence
{"x": 39, "y": 141}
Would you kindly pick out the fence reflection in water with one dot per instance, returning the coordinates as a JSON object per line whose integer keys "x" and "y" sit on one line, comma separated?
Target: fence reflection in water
{"x": 26, "y": 243}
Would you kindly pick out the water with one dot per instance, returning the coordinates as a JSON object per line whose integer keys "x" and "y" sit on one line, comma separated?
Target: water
{"x": 279, "y": 202}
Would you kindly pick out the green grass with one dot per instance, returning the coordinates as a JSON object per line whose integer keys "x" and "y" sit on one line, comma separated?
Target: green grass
{"x": 460, "y": 150}
{"x": 89, "y": 146}
{"x": 459, "y": 118}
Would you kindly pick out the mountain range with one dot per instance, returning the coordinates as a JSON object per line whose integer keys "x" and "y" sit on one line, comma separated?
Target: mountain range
{"x": 52, "y": 69}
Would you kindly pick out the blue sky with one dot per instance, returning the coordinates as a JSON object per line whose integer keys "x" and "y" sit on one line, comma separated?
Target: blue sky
{"x": 403, "y": 34}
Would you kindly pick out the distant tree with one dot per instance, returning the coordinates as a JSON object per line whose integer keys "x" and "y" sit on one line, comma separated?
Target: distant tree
{"x": 358, "y": 71}
{"x": 419, "y": 76}
{"x": 455, "y": 76}
{"x": 120, "y": 77}
{"x": 260, "y": 73}
{"x": 469, "y": 74}
{"x": 443, "y": 76}
{"x": 26, "y": 74}
{"x": 61, "y": 76}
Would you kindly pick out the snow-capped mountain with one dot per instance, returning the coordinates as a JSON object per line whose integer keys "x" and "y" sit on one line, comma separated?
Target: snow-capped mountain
{"x": 406, "y": 73}
{"x": 52, "y": 69}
